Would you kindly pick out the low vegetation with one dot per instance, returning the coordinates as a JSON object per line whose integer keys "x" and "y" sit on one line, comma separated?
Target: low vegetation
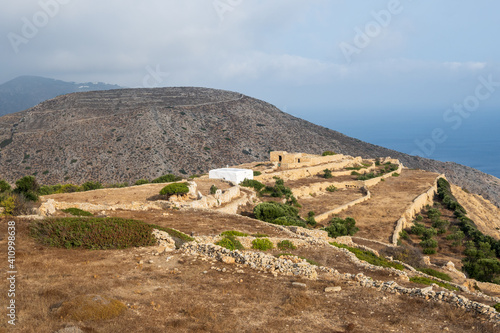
{"x": 286, "y": 245}
{"x": 175, "y": 189}
{"x": 433, "y": 272}
{"x": 369, "y": 257}
{"x": 427, "y": 281}
{"x": 262, "y": 244}
{"x": 230, "y": 242}
{"x": 168, "y": 178}
{"x": 278, "y": 213}
{"x": 77, "y": 212}
{"x": 341, "y": 227}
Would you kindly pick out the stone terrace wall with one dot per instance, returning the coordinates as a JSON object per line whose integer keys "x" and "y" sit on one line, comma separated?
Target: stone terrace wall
{"x": 417, "y": 205}
{"x": 325, "y": 216}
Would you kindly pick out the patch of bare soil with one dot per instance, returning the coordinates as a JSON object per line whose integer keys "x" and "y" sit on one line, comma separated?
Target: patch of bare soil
{"x": 180, "y": 293}
{"x": 316, "y": 179}
{"x": 485, "y": 215}
{"x": 201, "y": 222}
{"x": 328, "y": 200}
{"x": 377, "y": 217}
{"x": 126, "y": 195}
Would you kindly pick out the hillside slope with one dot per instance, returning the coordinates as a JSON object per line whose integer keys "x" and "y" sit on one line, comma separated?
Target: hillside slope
{"x": 26, "y": 91}
{"x": 127, "y": 134}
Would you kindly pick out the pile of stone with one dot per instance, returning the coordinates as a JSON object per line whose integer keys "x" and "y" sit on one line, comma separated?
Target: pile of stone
{"x": 164, "y": 242}
{"x": 255, "y": 260}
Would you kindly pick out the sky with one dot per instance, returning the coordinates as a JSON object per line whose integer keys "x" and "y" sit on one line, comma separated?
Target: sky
{"x": 336, "y": 63}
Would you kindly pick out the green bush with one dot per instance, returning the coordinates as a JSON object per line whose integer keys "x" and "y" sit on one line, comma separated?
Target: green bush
{"x": 9, "y": 205}
{"x": 395, "y": 174}
{"x": 289, "y": 221}
{"x": 234, "y": 233}
{"x": 433, "y": 272}
{"x": 270, "y": 211}
{"x": 213, "y": 189}
{"x": 89, "y": 186}
{"x": 331, "y": 188}
{"x": 419, "y": 218}
{"x": 403, "y": 234}
{"x": 327, "y": 173}
{"x": 257, "y": 173}
{"x": 370, "y": 257}
{"x": 175, "y": 189}
{"x": 429, "y": 243}
{"x": 77, "y": 212}
{"x": 259, "y": 235}
{"x": 93, "y": 233}
{"x": 417, "y": 229}
{"x": 168, "y": 178}
{"x": 141, "y": 182}
{"x": 328, "y": 153}
{"x": 4, "y": 186}
{"x": 27, "y": 187}
{"x": 230, "y": 243}
{"x": 255, "y": 184}
{"x": 69, "y": 188}
{"x": 262, "y": 244}
{"x": 285, "y": 245}
{"x": 429, "y": 250}
{"x": 429, "y": 233}
{"x": 427, "y": 281}
{"x": 339, "y": 227}
{"x": 497, "y": 307}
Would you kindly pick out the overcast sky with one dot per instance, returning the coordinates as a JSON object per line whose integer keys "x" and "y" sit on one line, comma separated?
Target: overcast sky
{"x": 314, "y": 58}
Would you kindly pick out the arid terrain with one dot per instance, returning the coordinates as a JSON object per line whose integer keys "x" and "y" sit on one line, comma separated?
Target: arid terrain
{"x": 189, "y": 290}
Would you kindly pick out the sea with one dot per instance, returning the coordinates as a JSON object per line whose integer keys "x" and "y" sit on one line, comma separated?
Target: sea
{"x": 474, "y": 141}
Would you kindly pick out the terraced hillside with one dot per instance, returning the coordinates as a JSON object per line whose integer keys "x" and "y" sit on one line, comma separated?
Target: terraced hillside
{"x": 128, "y": 134}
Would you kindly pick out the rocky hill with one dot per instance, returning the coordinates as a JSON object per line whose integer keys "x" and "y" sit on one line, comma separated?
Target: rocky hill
{"x": 27, "y": 91}
{"x": 128, "y": 134}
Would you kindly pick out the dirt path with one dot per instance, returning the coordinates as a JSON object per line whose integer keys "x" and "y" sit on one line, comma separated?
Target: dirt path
{"x": 376, "y": 218}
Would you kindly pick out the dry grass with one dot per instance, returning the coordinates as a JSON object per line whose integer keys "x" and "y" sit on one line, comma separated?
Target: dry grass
{"x": 174, "y": 294}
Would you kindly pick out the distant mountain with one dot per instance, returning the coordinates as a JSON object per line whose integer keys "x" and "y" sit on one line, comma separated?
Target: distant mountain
{"x": 27, "y": 91}
{"x": 128, "y": 134}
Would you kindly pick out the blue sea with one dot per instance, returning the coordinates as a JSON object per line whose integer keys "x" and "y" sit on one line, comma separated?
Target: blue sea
{"x": 475, "y": 142}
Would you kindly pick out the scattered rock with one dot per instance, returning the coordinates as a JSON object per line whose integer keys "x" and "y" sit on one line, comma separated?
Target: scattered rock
{"x": 228, "y": 260}
{"x": 299, "y": 285}
{"x": 333, "y": 289}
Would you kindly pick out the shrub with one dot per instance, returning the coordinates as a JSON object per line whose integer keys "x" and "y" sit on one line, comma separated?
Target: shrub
{"x": 69, "y": 188}
{"x": 327, "y": 173}
{"x": 497, "y": 307}
{"x": 90, "y": 307}
{"x": 278, "y": 190}
{"x": 9, "y": 205}
{"x": 259, "y": 235}
{"x": 328, "y": 153}
{"x": 168, "y": 178}
{"x": 427, "y": 281}
{"x": 429, "y": 243}
{"x": 355, "y": 173}
{"x": 262, "y": 244}
{"x": 89, "y": 186}
{"x": 257, "y": 173}
{"x": 93, "y": 233}
{"x": 417, "y": 229}
{"x": 77, "y": 212}
{"x": 213, "y": 189}
{"x": 289, "y": 221}
{"x": 433, "y": 272}
{"x": 175, "y": 189}
{"x": 4, "y": 186}
{"x": 49, "y": 189}
{"x": 286, "y": 245}
{"x": 395, "y": 174}
{"x": 230, "y": 243}
{"x": 370, "y": 257}
{"x": 429, "y": 233}
{"x": 419, "y": 218}
{"x": 255, "y": 184}
{"x": 331, "y": 188}
{"x": 339, "y": 227}
{"x": 28, "y": 187}
{"x": 429, "y": 250}
{"x": 403, "y": 234}
{"x": 234, "y": 233}
{"x": 407, "y": 254}
{"x": 270, "y": 211}
{"x": 141, "y": 182}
